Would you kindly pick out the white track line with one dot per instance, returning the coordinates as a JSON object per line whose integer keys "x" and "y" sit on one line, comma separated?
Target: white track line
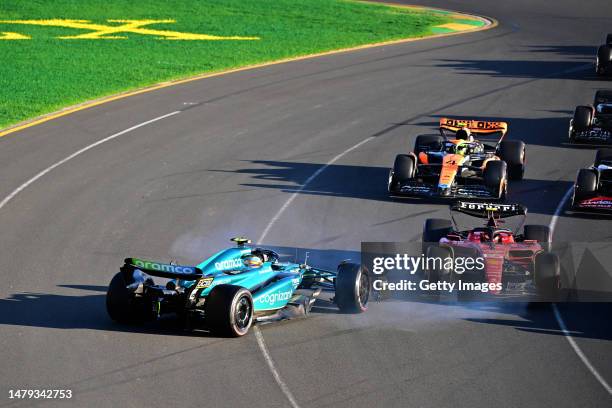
{"x": 264, "y": 350}
{"x": 560, "y": 322}
{"x": 260, "y": 339}
{"x": 579, "y": 352}
{"x": 306, "y": 183}
{"x": 77, "y": 153}
{"x": 555, "y": 218}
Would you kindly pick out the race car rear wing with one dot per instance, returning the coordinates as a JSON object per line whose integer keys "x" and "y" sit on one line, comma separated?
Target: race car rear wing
{"x": 484, "y": 210}
{"x": 482, "y": 128}
{"x": 162, "y": 270}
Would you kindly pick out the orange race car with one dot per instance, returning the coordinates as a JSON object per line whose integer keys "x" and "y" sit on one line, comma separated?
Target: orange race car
{"x": 455, "y": 164}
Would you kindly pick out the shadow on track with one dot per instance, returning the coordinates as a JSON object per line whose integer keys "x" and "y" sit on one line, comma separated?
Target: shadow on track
{"x": 583, "y": 320}
{"x": 32, "y": 309}
{"x": 519, "y": 69}
{"x": 567, "y": 64}
{"x": 362, "y": 182}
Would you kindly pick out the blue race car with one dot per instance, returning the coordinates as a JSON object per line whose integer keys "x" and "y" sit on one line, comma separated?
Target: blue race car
{"x": 232, "y": 289}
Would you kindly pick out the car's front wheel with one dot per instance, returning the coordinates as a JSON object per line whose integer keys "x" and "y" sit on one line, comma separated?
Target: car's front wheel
{"x": 585, "y": 187}
{"x": 547, "y": 276}
{"x": 494, "y": 177}
{"x": 513, "y": 153}
{"x": 352, "y": 288}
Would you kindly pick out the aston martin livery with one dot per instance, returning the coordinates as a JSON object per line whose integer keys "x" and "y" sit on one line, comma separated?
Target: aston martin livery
{"x": 453, "y": 164}
{"x": 230, "y": 290}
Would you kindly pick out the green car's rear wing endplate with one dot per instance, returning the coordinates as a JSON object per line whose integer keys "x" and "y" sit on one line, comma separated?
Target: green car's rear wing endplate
{"x": 163, "y": 270}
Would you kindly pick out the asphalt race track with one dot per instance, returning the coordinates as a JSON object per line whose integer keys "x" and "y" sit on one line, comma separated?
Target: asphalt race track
{"x": 243, "y": 144}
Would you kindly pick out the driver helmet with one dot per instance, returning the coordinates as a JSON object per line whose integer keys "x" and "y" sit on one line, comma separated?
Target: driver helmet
{"x": 253, "y": 261}
{"x": 464, "y": 134}
{"x": 462, "y": 149}
{"x": 605, "y": 108}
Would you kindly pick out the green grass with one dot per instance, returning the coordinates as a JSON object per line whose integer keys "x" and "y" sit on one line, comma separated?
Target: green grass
{"x": 44, "y": 74}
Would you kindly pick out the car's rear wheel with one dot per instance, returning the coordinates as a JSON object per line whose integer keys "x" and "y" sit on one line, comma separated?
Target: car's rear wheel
{"x": 513, "y": 153}
{"x": 229, "y": 310}
{"x": 539, "y": 233}
{"x": 494, "y": 177}
{"x": 352, "y": 288}
{"x": 547, "y": 276}
{"x": 437, "y": 270}
{"x": 121, "y": 304}
{"x": 434, "y": 229}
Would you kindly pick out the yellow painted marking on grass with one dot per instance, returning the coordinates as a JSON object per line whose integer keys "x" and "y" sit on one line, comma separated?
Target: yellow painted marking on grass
{"x": 108, "y": 32}
{"x": 13, "y": 36}
{"x": 456, "y": 26}
{"x": 489, "y": 24}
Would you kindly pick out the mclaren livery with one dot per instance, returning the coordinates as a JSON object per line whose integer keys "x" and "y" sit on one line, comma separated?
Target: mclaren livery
{"x": 455, "y": 164}
{"x": 229, "y": 291}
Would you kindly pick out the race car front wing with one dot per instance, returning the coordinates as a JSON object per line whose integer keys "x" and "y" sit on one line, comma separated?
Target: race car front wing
{"x": 419, "y": 189}
{"x": 594, "y": 204}
{"x": 595, "y": 135}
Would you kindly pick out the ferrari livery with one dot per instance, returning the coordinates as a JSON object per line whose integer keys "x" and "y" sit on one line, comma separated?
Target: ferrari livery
{"x": 514, "y": 264}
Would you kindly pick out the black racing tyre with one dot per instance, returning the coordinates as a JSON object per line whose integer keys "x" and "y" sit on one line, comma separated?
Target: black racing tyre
{"x": 474, "y": 274}
{"x": 494, "y": 177}
{"x": 122, "y": 306}
{"x": 583, "y": 117}
{"x": 428, "y": 142}
{"x": 403, "y": 168}
{"x": 229, "y": 310}
{"x": 513, "y": 153}
{"x": 586, "y": 184}
{"x": 436, "y": 271}
{"x": 540, "y": 233}
{"x": 352, "y": 288}
{"x": 603, "y": 156}
{"x": 547, "y": 273}
{"x": 604, "y": 58}
{"x": 434, "y": 229}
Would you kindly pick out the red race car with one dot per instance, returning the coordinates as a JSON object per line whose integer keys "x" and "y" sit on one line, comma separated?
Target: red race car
{"x": 491, "y": 259}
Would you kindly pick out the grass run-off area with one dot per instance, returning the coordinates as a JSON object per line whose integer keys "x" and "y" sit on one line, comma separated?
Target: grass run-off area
{"x": 50, "y": 61}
